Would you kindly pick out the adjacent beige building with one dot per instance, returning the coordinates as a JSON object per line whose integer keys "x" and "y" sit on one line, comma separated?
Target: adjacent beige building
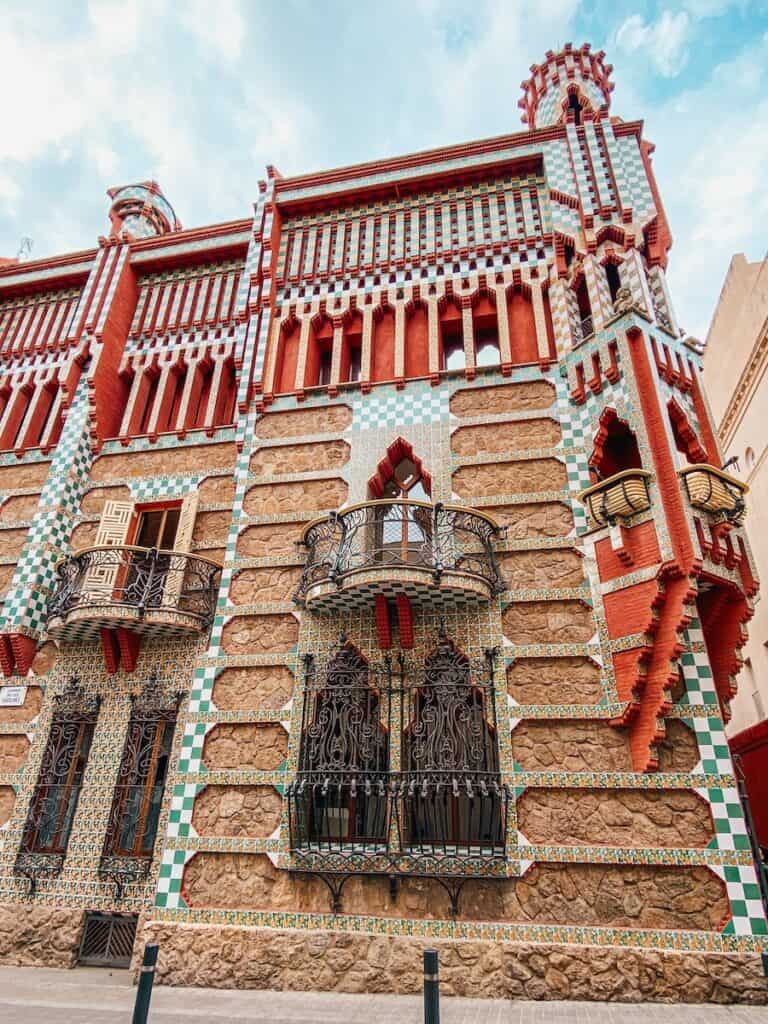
{"x": 735, "y": 365}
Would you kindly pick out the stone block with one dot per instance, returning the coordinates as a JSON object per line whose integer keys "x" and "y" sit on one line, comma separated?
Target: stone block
{"x": 30, "y": 708}
{"x": 239, "y": 811}
{"x": 13, "y": 752}
{"x": 20, "y": 508}
{"x": 298, "y": 496}
{"x": 165, "y": 461}
{"x": 679, "y": 750}
{"x": 513, "y": 436}
{"x": 529, "y": 522}
{"x": 554, "y": 681}
{"x": 272, "y": 540}
{"x": 253, "y": 689}
{"x": 23, "y": 477}
{"x": 537, "y": 394}
{"x": 252, "y": 586}
{"x": 257, "y": 634}
{"x": 525, "y": 476}
{"x": 251, "y": 745}
{"x": 570, "y": 745}
{"x": 11, "y": 543}
{"x": 299, "y": 458}
{"x": 330, "y": 419}
{"x": 622, "y": 817}
{"x": 548, "y": 622}
{"x": 535, "y": 570}
{"x": 93, "y": 501}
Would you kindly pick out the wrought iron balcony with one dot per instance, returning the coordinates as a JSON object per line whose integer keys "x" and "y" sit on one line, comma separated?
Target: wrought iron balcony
{"x": 398, "y": 771}
{"x": 145, "y": 590}
{"x": 714, "y": 491}
{"x": 379, "y": 547}
{"x": 618, "y": 497}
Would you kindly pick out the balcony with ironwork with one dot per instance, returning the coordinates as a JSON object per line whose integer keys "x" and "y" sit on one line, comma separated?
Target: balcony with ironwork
{"x": 432, "y": 552}
{"x": 144, "y": 590}
{"x": 618, "y": 497}
{"x": 716, "y": 492}
{"x": 398, "y": 772}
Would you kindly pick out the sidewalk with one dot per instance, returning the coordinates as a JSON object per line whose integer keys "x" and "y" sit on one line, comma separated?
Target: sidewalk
{"x": 99, "y": 996}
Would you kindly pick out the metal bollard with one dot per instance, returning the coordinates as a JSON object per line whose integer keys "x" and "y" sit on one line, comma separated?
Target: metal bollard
{"x": 431, "y": 988}
{"x": 146, "y": 978}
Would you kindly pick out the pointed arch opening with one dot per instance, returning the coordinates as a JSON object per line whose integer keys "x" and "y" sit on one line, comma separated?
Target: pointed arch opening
{"x": 339, "y": 798}
{"x": 615, "y": 449}
{"x": 287, "y": 356}
{"x": 485, "y": 331}
{"x": 352, "y": 350}
{"x": 451, "y": 331}
{"x": 320, "y": 353}
{"x": 454, "y": 801}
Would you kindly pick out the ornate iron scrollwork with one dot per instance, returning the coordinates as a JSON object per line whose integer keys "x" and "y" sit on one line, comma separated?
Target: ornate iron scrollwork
{"x": 386, "y": 534}
{"x": 55, "y": 797}
{"x": 143, "y": 579}
{"x": 137, "y": 799}
{"x": 441, "y": 813}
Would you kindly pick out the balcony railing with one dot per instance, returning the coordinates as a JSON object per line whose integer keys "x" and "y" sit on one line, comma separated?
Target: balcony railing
{"x": 618, "y": 497}
{"x": 448, "y": 545}
{"x": 711, "y": 489}
{"x": 134, "y": 587}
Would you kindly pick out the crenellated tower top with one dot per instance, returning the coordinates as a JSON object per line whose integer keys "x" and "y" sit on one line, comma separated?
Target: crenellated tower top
{"x": 569, "y": 85}
{"x": 141, "y": 211}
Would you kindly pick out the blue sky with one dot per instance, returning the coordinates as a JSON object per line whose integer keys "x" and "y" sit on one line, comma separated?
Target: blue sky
{"x": 203, "y": 95}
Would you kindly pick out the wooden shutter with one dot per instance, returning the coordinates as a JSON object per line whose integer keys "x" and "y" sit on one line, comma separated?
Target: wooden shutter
{"x": 113, "y": 529}
{"x": 182, "y": 543}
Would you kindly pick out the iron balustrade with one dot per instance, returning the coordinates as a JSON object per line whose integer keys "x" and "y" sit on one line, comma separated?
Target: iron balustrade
{"x": 398, "y": 770}
{"x": 411, "y": 534}
{"x": 145, "y": 580}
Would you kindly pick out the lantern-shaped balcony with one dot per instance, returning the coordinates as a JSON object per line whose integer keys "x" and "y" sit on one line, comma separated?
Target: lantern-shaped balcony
{"x": 714, "y": 491}
{"x": 433, "y": 553}
{"x": 143, "y": 590}
{"x": 617, "y": 497}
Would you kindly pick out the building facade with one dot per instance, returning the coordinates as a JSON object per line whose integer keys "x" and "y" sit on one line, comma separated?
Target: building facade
{"x": 371, "y": 582}
{"x": 735, "y": 355}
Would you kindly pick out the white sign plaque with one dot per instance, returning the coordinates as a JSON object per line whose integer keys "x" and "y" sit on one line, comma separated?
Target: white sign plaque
{"x": 12, "y": 696}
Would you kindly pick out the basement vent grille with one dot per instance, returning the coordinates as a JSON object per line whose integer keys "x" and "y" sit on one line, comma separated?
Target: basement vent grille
{"x": 108, "y": 940}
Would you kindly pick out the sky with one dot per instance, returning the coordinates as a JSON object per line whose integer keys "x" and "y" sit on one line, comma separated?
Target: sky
{"x": 202, "y": 96}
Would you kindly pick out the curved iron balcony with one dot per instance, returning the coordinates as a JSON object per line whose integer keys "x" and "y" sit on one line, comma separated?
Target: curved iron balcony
{"x": 388, "y": 547}
{"x": 714, "y": 491}
{"x": 145, "y": 590}
{"x": 618, "y": 497}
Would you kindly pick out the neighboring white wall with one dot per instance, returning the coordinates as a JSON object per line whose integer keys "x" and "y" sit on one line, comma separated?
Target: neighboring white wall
{"x": 736, "y": 381}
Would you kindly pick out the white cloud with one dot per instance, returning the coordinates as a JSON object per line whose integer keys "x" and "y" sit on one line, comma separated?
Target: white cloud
{"x": 219, "y": 27}
{"x": 664, "y": 41}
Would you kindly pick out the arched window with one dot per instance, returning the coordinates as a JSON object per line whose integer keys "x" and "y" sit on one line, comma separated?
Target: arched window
{"x": 452, "y": 355}
{"x": 402, "y": 532}
{"x": 615, "y": 448}
{"x": 585, "y": 308}
{"x": 320, "y": 354}
{"x": 454, "y": 798}
{"x": 575, "y": 107}
{"x": 339, "y": 797}
{"x": 485, "y": 328}
{"x": 614, "y": 279}
{"x": 352, "y": 350}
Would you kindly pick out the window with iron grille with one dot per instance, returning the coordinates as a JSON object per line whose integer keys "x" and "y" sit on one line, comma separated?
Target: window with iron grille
{"x": 398, "y": 761}
{"x": 138, "y": 794}
{"x": 57, "y": 790}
